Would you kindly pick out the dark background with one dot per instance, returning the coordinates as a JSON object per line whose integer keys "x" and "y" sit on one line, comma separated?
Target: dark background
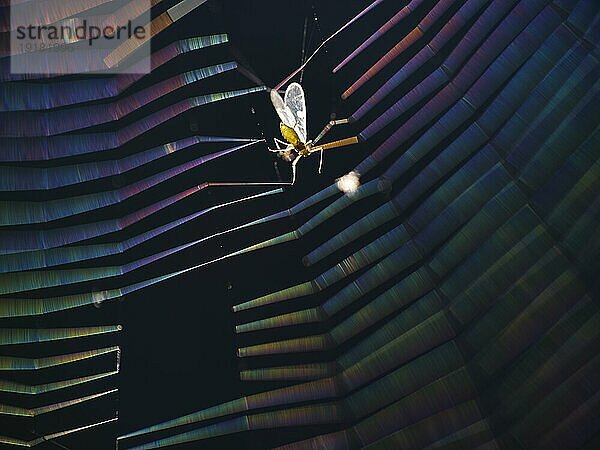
{"x": 178, "y": 343}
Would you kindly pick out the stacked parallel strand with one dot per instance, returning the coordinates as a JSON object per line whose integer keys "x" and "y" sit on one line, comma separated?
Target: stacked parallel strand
{"x": 462, "y": 310}
{"x": 48, "y": 124}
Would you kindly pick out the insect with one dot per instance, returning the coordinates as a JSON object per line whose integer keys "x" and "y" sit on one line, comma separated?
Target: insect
{"x": 292, "y": 111}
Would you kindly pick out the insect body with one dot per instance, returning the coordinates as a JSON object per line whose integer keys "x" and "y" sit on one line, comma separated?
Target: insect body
{"x": 290, "y": 135}
{"x": 292, "y": 111}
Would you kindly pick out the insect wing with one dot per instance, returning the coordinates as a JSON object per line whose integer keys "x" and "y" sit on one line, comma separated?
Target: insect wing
{"x": 284, "y": 113}
{"x": 295, "y": 102}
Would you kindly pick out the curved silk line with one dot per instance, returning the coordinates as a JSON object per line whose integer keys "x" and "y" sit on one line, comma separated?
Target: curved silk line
{"x": 18, "y": 388}
{"x": 12, "y": 336}
{"x": 346, "y": 25}
{"x": 391, "y": 23}
{"x": 50, "y": 239}
{"x": 45, "y": 178}
{"x": 26, "y": 281}
{"x": 512, "y": 36}
{"x": 45, "y": 211}
{"x": 48, "y": 437}
{"x": 54, "y": 94}
{"x": 16, "y": 363}
{"x": 9, "y": 410}
{"x": 469, "y": 10}
{"x": 409, "y": 40}
{"x": 51, "y": 257}
{"x": 47, "y": 148}
{"x": 459, "y": 71}
{"x": 58, "y": 122}
{"x": 366, "y": 190}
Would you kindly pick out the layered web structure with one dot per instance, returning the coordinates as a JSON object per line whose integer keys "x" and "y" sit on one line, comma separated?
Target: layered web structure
{"x": 61, "y": 140}
{"x": 456, "y": 307}
{"x": 461, "y": 311}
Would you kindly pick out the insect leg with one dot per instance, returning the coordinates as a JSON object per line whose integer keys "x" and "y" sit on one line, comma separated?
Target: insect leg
{"x": 282, "y": 143}
{"x": 328, "y": 127}
{"x": 321, "y": 163}
{"x": 294, "y": 164}
{"x": 281, "y": 146}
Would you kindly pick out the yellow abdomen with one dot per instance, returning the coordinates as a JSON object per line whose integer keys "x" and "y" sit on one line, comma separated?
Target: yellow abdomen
{"x": 290, "y": 135}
